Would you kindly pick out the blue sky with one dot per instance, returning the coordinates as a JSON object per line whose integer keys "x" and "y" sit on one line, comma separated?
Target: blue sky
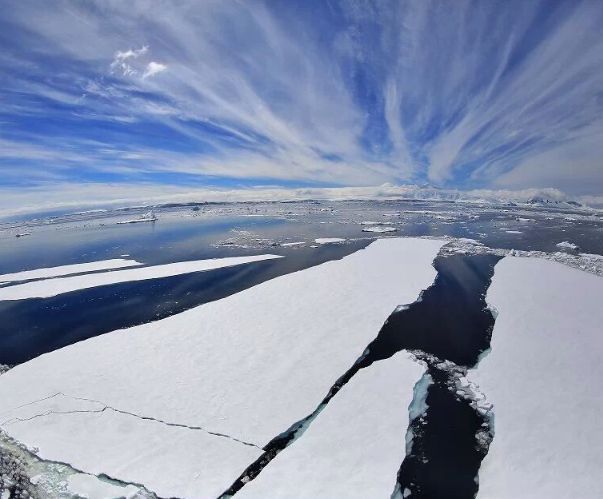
{"x": 236, "y": 94}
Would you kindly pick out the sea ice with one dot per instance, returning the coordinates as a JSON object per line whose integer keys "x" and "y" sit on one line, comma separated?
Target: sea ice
{"x": 567, "y": 245}
{"x": 329, "y": 240}
{"x": 379, "y": 228}
{"x": 57, "y": 286}
{"x": 116, "y": 263}
{"x": 247, "y": 366}
{"x": 542, "y": 375}
{"x": 169, "y": 460}
{"x": 354, "y": 447}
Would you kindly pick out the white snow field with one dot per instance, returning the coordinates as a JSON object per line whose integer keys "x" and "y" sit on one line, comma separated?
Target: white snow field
{"x": 543, "y": 376}
{"x": 62, "y": 270}
{"x": 57, "y": 286}
{"x": 355, "y": 446}
{"x": 247, "y": 366}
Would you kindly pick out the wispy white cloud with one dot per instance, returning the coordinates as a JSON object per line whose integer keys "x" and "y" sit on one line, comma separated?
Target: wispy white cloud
{"x": 122, "y": 61}
{"x": 154, "y": 68}
{"x": 352, "y": 93}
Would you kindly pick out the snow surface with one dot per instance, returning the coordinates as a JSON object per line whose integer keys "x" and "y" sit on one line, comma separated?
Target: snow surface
{"x": 354, "y": 447}
{"x": 329, "y": 240}
{"x": 57, "y": 286}
{"x": 543, "y": 377}
{"x": 170, "y": 461}
{"x": 62, "y": 270}
{"x": 248, "y": 366}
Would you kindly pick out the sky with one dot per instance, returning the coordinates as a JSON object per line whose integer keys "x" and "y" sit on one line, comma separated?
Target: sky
{"x": 119, "y": 97}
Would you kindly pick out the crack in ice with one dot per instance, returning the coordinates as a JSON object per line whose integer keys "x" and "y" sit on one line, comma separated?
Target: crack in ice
{"x": 106, "y": 407}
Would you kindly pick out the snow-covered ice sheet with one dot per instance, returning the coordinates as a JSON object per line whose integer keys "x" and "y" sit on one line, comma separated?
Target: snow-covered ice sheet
{"x": 57, "y": 286}
{"x": 543, "y": 376}
{"x": 248, "y": 366}
{"x": 354, "y": 447}
{"x": 170, "y": 461}
{"x": 62, "y": 270}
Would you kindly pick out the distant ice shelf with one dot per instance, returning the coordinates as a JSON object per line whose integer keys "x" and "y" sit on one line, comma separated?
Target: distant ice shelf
{"x": 62, "y": 270}
{"x": 57, "y": 286}
{"x": 244, "y": 369}
{"x": 543, "y": 376}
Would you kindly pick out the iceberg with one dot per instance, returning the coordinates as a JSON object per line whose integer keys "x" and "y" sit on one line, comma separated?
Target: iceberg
{"x": 329, "y": 240}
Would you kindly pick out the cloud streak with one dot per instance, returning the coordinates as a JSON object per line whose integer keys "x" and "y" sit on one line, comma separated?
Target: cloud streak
{"x": 465, "y": 95}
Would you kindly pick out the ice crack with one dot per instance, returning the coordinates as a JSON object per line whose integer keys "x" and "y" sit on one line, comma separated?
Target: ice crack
{"x": 106, "y": 407}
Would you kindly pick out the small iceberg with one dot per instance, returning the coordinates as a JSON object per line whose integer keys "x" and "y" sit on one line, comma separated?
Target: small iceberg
{"x": 147, "y": 217}
{"x": 379, "y": 228}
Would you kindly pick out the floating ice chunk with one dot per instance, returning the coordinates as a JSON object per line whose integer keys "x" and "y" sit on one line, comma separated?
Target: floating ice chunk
{"x": 513, "y": 232}
{"x": 329, "y": 240}
{"x": 356, "y": 444}
{"x": 147, "y": 217}
{"x": 57, "y": 286}
{"x": 62, "y": 270}
{"x": 297, "y": 243}
{"x": 542, "y": 375}
{"x": 247, "y": 366}
{"x": 567, "y": 245}
{"x": 379, "y": 228}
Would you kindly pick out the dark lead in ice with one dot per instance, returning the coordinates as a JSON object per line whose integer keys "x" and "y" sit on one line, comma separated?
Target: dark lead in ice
{"x": 452, "y": 322}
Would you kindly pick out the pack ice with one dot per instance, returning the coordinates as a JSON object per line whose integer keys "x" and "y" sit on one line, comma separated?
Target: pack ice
{"x": 184, "y": 404}
{"x": 543, "y": 376}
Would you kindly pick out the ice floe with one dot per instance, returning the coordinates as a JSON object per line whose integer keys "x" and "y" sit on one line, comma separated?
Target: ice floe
{"x": 356, "y": 444}
{"x": 59, "y": 285}
{"x": 329, "y": 240}
{"x": 62, "y": 270}
{"x": 379, "y": 228}
{"x": 567, "y": 245}
{"x": 245, "y": 367}
{"x": 542, "y": 375}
